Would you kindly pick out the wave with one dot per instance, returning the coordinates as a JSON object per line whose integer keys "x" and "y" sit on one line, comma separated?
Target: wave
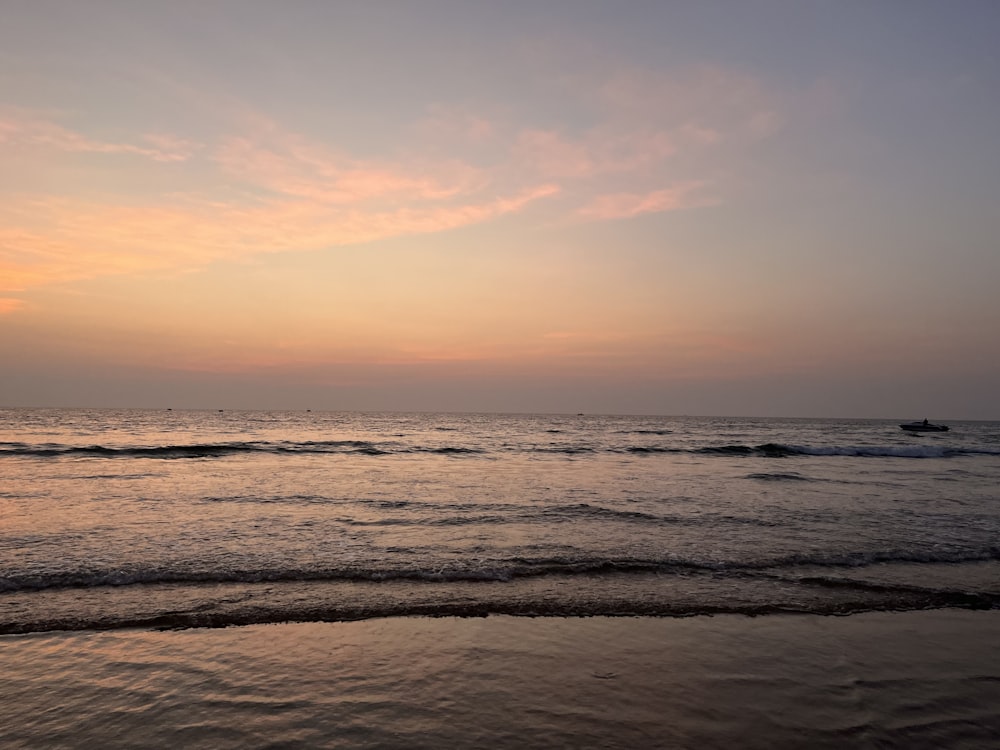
{"x": 597, "y": 511}
{"x": 586, "y": 510}
{"x": 863, "y": 559}
{"x": 430, "y": 514}
{"x": 605, "y": 607}
{"x": 566, "y": 450}
{"x": 652, "y": 449}
{"x": 368, "y": 448}
{"x": 779, "y": 450}
{"x": 501, "y": 570}
{"x": 219, "y": 605}
{"x": 196, "y": 450}
{"x": 780, "y": 477}
{"x": 443, "y": 574}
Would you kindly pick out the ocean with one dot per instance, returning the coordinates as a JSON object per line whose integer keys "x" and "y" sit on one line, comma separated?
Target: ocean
{"x": 121, "y": 527}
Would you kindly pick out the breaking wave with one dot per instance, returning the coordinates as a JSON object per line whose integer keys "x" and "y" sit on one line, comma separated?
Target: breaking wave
{"x": 780, "y": 477}
{"x": 211, "y": 602}
{"x": 489, "y": 570}
{"x": 368, "y": 448}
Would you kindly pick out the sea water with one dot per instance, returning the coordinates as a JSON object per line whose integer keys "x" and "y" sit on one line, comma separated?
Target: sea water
{"x": 121, "y": 519}
{"x": 359, "y": 552}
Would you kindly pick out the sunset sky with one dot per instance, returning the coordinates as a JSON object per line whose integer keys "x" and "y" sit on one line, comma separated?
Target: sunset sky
{"x": 785, "y": 208}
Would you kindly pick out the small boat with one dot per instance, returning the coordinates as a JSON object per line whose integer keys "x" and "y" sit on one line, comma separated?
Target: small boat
{"x": 924, "y": 426}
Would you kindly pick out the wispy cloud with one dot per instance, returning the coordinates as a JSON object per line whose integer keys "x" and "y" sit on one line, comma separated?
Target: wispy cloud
{"x": 459, "y": 124}
{"x": 9, "y": 305}
{"x": 289, "y": 164}
{"x": 706, "y": 97}
{"x": 86, "y": 240}
{"x": 22, "y": 129}
{"x": 263, "y": 188}
{"x": 628, "y": 205}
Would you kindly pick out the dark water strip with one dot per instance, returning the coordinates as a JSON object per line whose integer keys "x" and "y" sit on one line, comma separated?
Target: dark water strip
{"x": 362, "y": 447}
{"x": 485, "y": 600}
{"x": 497, "y": 571}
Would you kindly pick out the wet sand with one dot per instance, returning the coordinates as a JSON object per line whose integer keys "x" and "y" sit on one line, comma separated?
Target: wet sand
{"x": 914, "y": 680}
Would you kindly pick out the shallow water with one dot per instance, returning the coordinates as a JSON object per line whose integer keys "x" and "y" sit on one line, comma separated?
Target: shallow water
{"x": 913, "y": 680}
{"x": 114, "y": 519}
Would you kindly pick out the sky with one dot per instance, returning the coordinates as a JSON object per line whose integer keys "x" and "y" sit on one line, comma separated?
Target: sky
{"x": 753, "y": 208}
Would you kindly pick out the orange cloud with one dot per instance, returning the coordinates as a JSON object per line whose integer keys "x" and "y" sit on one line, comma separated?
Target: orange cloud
{"x": 292, "y": 194}
{"x": 86, "y": 240}
{"x": 9, "y": 305}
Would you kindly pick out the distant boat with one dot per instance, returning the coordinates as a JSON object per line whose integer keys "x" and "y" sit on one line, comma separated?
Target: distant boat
{"x": 924, "y": 426}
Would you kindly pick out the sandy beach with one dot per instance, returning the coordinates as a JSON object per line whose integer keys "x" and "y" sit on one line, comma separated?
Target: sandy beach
{"x": 922, "y": 679}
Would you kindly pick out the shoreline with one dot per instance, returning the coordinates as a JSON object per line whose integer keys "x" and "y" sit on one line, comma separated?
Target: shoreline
{"x": 911, "y": 679}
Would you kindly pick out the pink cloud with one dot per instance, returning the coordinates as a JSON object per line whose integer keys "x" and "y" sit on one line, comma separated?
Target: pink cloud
{"x": 600, "y": 151}
{"x": 628, "y": 205}
{"x": 642, "y": 118}
{"x": 699, "y": 134}
{"x": 286, "y": 163}
{"x": 724, "y": 96}
{"x": 33, "y": 131}
{"x": 170, "y": 147}
{"x": 553, "y": 155}
{"x": 277, "y": 190}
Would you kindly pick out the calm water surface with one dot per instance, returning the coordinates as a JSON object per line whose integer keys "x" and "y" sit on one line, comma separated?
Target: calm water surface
{"x": 919, "y": 681}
